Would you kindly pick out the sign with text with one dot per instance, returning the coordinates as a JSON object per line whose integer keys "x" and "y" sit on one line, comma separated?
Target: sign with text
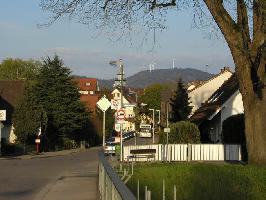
{"x": 115, "y": 104}
{"x": 166, "y": 130}
{"x": 2, "y": 115}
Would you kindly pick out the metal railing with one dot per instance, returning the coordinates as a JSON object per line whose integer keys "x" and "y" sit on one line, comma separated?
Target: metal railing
{"x": 110, "y": 185}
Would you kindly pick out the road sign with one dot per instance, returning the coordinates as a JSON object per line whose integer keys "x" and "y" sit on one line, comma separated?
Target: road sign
{"x": 2, "y": 115}
{"x": 37, "y": 140}
{"x": 115, "y": 104}
{"x": 166, "y": 130}
{"x": 103, "y": 103}
{"x": 120, "y": 114}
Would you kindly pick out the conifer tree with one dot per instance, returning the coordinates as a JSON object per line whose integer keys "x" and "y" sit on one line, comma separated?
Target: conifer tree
{"x": 179, "y": 103}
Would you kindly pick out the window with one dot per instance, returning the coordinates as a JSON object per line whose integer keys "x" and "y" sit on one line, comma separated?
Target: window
{"x": 91, "y": 92}
{"x": 118, "y": 94}
{"x": 88, "y": 84}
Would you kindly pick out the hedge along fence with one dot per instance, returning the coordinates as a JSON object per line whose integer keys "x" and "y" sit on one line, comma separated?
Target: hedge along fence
{"x": 187, "y": 152}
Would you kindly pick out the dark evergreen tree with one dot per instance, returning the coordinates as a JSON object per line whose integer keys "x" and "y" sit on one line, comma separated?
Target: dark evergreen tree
{"x": 179, "y": 102}
{"x": 28, "y": 117}
{"x": 68, "y": 118}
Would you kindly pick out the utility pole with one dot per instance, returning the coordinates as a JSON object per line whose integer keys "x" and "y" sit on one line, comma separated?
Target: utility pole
{"x": 153, "y": 124}
{"x": 159, "y": 118}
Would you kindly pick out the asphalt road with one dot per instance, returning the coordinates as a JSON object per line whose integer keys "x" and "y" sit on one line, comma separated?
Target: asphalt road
{"x": 27, "y": 179}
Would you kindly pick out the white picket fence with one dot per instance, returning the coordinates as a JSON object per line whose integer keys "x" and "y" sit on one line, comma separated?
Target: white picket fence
{"x": 188, "y": 152}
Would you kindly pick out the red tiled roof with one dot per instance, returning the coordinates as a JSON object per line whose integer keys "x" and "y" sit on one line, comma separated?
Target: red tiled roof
{"x": 87, "y": 84}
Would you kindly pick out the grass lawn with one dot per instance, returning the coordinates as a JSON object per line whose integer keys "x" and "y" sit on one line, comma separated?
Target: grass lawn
{"x": 200, "y": 181}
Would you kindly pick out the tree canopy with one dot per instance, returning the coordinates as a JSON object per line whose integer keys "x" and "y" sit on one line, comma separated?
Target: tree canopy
{"x": 152, "y": 96}
{"x": 180, "y": 103}
{"x": 17, "y": 69}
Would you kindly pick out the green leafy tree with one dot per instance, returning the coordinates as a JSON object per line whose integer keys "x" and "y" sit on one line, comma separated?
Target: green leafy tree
{"x": 67, "y": 116}
{"x": 28, "y": 117}
{"x": 241, "y": 22}
{"x": 15, "y": 69}
{"x": 180, "y": 103}
{"x": 152, "y": 96}
{"x": 182, "y": 132}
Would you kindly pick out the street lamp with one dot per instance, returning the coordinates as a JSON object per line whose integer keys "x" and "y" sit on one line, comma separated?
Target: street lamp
{"x": 152, "y": 109}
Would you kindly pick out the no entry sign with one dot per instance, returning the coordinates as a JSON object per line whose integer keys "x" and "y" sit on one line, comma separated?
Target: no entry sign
{"x": 120, "y": 115}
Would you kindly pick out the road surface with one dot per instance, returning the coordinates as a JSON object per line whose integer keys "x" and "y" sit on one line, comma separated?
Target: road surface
{"x": 65, "y": 177}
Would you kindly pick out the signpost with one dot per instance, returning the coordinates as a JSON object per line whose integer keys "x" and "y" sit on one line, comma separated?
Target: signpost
{"x": 103, "y": 104}
{"x": 2, "y": 118}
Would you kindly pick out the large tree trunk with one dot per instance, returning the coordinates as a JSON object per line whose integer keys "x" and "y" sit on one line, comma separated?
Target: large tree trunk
{"x": 250, "y": 61}
{"x": 254, "y": 100}
{"x": 255, "y": 123}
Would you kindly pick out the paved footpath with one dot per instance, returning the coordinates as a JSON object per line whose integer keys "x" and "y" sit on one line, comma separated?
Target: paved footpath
{"x": 79, "y": 183}
{"x": 77, "y": 179}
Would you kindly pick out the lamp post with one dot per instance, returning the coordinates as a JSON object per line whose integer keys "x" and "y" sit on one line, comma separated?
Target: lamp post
{"x": 152, "y": 109}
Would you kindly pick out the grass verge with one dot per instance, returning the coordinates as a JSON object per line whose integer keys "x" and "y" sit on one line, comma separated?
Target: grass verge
{"x": 200, "y": 181}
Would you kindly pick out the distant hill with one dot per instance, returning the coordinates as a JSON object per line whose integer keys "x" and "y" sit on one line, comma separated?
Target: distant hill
{"x": 146, "y": 78}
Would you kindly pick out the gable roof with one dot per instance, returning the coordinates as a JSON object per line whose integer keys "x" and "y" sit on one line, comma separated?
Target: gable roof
{"x": 225, "y": 69}
{"x": 215, "y": 102}
{"x": 87, "y": 84}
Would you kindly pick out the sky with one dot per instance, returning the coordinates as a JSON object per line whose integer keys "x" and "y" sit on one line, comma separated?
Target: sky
{"x": 88, "y": 53}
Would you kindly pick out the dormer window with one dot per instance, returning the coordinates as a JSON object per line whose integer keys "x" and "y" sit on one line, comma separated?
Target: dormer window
{"x": 88, "y": 84}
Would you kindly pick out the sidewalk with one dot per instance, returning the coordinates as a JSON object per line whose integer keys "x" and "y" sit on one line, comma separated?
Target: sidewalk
{"x": 79, "y": 183}
{"x": 43, "y": 154}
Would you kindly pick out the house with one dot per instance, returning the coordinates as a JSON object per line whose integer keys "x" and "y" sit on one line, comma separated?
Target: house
{"x": 223, "y": 103}
{"x": 199, "y": 93}
{"x": 129, "y": 103}
{"x": 88, "y": 89}
{"x": 11, "y": 92}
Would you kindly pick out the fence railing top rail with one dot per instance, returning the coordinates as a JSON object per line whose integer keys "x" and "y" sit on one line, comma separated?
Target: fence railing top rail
{"x": 124, "y": 192}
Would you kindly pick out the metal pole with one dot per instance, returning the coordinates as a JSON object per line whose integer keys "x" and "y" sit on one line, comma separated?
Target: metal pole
{"x": 0, "y": 138}
{"x": 153, "y": 126}
{"x": 103, "y": 128}
{"x": 167, "y": 124}
{"x": 163, "y": 190}
{"x": 121, "y": 101}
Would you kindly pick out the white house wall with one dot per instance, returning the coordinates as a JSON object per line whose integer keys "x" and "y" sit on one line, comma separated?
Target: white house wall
{"x": 204, "y": 92}
{"x": 233, "y": 106}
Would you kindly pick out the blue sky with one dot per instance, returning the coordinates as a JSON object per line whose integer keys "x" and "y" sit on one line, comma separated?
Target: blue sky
{"x": 87, "y": 53}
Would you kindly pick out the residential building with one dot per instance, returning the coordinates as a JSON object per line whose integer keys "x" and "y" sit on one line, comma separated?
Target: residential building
{"x": 129, "y": 103}
{"x": 11, "y": 92}
{"x": 202, "y": 92}
{"x": 224, "y": 102}
{"x": 88, "y": 89}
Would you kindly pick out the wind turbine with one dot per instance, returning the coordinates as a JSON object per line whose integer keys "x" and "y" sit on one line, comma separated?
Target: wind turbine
{"x": 174, "y": 63}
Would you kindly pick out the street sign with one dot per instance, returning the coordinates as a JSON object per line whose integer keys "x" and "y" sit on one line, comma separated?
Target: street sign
{"x": 2, "y": 115}
{"x": 37, "y": 140}
{"x": 117, "y": 127}
{"x": 120, "y": 116}
{"x": 103, "y": 103}
{"x": 115, "y": 104}
{"x": 166, "y": 130}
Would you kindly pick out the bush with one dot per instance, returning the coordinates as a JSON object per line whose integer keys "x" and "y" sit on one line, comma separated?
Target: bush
{"x": 234, "y": 132}
{"x": 182, "y": 132}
